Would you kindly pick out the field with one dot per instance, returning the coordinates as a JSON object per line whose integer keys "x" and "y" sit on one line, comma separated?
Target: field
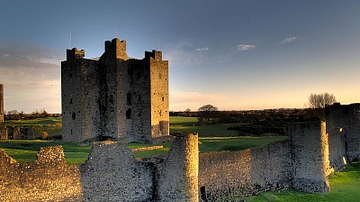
{"x": 188, "y": 125}
{"x": 75, "y": 153}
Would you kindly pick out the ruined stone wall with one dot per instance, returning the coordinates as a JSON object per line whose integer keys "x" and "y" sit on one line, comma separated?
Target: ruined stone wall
{"x": 178, "y": 174}
{"x": 111, "y": 173}
{"x": 302, "y": 163}
{"x": 230, "y": 174}
{"x": 2, "y": 104}
{"x": 337, "y": 128}
{"x": 310, "y": 160}
{"x": 80, "y": 99}
{"x": 343, "y": 127}
{"x": 4, "y": 133}
{"x": 49, "y": 178}
{"x": 271, "y": 166}
{"x": 353, "y": 138}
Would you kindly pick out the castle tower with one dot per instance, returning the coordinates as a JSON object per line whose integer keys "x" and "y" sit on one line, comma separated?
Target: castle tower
{"x": 2, "y": 111}
{"x": 178, "y": 178}
{"x": 80, "y": 95}
{"x": 115, "y": 96}
{"x": 310, "y": 156}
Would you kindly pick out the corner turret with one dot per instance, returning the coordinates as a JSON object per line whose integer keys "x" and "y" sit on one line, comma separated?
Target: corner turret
{"x": 116, "y": 48}
{"x": 74, "y": 54}
{"x": 157, "y": 55}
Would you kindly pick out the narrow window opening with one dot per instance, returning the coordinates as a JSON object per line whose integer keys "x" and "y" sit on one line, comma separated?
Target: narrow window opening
{"x": 73, "y": 116}
{"x": 71, "y": 101}
{"x": 128, "y": 99}
{"x": 128, "y": 114}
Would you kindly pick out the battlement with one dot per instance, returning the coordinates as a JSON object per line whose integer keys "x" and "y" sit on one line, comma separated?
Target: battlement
{"x": 157, "y": 55}
{"x": 74, "y": 54}
{"x": 116, "y": 47}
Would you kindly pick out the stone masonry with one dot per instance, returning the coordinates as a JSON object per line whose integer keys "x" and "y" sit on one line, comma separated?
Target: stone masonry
{"x": 343, "y": 127}
{"x": 115, "y": 96}
{"x": 111, "y": 173}
{"x": 2, "y": 103}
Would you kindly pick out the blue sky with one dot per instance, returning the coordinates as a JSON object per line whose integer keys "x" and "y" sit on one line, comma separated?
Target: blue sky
{"x": 234, "y": 54}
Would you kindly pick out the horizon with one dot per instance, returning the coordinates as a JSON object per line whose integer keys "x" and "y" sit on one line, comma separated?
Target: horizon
{"x": 242, "y": 55}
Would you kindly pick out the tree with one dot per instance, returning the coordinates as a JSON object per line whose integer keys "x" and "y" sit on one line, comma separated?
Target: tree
{"x": 187, "y": 112}
{"x": 207, "y": 114}
{"x": 321, "y": 100}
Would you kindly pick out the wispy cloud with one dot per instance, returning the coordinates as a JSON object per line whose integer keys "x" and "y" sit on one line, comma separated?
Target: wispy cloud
{"x": 202, "y": 49}
{"x": 289, "y": 40}
{"x": 245, "y": 47}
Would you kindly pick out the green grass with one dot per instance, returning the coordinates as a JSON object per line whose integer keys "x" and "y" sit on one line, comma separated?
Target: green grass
{"x": 180, "y": 124}
{"x": 25, "y": 151}
{"x": 34, "y": 122}
{"x": 210, "y": 144}
{"x": 345, "y": 187}
{"x": 182, "y": 120}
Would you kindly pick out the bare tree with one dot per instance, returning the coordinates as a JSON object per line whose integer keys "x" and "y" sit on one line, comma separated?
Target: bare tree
{"x": 321, "y": 100}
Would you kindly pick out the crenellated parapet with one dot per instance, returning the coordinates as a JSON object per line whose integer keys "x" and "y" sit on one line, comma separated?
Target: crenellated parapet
{"x": 155, "y": 54}
{"x": 74, "y": 54}
{"x": 116, "y": 48}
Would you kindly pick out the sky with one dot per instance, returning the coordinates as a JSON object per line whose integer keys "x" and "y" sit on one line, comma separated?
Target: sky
{"x": 233, "y": 54}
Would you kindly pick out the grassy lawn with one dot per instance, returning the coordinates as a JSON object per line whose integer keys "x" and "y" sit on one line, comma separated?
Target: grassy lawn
{"x": 210, "y": 144}
{"x": 189, "y": 125}
{"x": 34, "y": 122}
{"x": 75, "y": 153}
{"x": 345, "y": 186}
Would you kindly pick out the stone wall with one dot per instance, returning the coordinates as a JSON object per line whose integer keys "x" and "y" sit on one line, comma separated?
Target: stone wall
{"x": 310, "y": 157}
{"x": 111, "y": 173}
{"x": 16, "y": 133}
{"x": 343, "y": 127}
{"x": 49, "y": 178}
{"x": 302, "y": 163}
{"x": 2, "y": 104}
{"x": 178, "y": 174}
{"x": 230, "y": 174}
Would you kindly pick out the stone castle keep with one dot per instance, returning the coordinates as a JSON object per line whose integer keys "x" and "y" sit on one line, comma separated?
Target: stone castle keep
{"x": 2, "y": 112}
{"x": 313, "y": 151}
{"x": 115, "y": 96}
